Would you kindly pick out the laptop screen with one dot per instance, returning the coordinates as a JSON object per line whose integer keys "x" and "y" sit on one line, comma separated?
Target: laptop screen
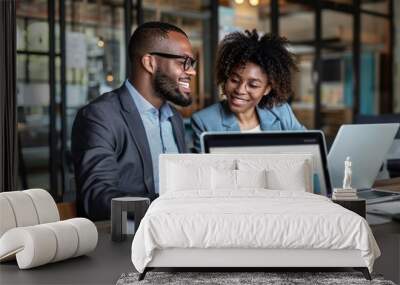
{"x": 367, "y": 146}
{"x": 275, "y": 142}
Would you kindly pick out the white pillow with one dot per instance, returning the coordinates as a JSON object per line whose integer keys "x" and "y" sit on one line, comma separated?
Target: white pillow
{"x": 251, "y": 178}
{"x": 223, "y": 179}
{"x": 292, "y": 179}
{"x": 188, "y": 177}
{"x": 227, "y": 179}
{"x": 284, "y": 174}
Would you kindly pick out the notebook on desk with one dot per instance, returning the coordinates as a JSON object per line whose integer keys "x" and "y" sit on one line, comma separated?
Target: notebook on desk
{"x": 367, "y": 146}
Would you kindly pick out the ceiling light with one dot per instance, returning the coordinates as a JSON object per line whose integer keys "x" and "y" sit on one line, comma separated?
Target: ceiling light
{"x": 239, "y": 2}
{"x": 109, "y": 77}
{"x": 100, "y": 43}
{"x": 254, "y": 2}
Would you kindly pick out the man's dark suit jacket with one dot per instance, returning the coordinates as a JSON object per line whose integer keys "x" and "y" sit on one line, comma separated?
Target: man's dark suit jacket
{"x": 111, "y": 153}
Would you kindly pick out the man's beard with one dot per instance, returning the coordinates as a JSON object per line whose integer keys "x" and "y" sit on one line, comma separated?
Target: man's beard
{"x": 168, "y": 89}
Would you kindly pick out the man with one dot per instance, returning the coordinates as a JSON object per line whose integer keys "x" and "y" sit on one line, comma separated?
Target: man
{"x": 117, "y": 138}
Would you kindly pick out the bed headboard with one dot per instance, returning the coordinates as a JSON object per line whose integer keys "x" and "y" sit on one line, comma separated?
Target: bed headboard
{"x": 176, "y": 170}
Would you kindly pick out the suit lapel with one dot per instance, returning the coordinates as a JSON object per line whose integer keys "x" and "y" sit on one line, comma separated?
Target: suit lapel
{"x": 135, "y": 125}
{"x": 179, "y": 133}
{"x": 269, "y": 121}
{"x": 229, "y": 120}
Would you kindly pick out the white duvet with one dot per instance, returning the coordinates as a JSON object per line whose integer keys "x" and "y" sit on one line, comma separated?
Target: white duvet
{"x": 250, "y": 219}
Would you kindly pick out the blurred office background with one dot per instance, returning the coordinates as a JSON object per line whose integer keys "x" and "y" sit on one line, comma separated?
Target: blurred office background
{"x": 71, "y": 51}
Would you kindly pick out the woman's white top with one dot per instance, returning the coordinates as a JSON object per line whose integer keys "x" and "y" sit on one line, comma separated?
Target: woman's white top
{"x": 257, "y": 129}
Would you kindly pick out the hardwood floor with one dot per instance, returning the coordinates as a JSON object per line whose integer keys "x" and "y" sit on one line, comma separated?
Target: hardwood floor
{"x": 387, "y": 236}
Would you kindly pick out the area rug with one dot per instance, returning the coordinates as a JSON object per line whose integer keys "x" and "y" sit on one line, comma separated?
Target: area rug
{"x": 229, "y": 278}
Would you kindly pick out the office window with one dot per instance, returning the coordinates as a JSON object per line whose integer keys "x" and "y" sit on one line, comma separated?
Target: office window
{"x": 374, "y": 77}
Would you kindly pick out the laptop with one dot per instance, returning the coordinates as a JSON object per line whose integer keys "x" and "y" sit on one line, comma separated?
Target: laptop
{"x": 275, "y": 142}
{"x": 367, "y": 146}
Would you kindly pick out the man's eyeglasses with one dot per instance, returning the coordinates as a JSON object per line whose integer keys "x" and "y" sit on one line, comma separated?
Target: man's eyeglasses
{"x": 188, "y": 61}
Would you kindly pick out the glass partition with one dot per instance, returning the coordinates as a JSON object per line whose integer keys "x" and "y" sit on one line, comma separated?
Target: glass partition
{"x": 95, "y": 57}
{"x": 381, "y": 6}
{"x": 243, "y": 15}
{"x": 337, "y": 72}
{"x": 302, "y": 46}
{"x": 95, "y": 64}
{"x": 374, "y": 77}
{"x": 33, "y": 96}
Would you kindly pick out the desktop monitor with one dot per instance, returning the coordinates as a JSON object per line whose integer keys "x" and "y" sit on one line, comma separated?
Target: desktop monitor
{"x": 275, "y": 142}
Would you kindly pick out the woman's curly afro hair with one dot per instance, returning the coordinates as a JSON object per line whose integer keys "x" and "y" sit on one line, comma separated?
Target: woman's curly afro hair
{"x": 269, "y": 52}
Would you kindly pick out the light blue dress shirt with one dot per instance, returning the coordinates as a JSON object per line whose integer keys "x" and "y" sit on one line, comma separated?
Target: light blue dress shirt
{"x": 158, "y": 129}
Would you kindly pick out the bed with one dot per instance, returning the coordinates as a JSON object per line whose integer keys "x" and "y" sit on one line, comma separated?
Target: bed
{"x": 247, "y": 211}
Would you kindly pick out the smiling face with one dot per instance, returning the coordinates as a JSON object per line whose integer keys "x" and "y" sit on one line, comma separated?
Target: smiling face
{"x": 171, "y": 80}
{"x": 245, "y": 88}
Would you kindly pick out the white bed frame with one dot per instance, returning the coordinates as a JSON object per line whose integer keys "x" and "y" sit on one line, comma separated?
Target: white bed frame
{"x": 242, "y": 258}
{"x": 256, "y": 258}
{"x": 237, "y": 257}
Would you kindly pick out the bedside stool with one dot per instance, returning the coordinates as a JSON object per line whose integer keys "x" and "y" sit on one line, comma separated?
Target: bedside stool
{"x": 357, "y": 206}
{"x": 119, "y": 209}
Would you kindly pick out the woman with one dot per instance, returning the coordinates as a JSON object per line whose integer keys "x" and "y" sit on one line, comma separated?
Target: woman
{"x": 254, "y": 74}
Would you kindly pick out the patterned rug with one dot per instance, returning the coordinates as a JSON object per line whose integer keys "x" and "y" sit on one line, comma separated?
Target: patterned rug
{"x": 229, "y": 278}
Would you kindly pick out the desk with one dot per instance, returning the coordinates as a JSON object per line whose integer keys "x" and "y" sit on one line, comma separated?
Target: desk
{"x": 392, "y": 184}
{"x": 102, "y": 266}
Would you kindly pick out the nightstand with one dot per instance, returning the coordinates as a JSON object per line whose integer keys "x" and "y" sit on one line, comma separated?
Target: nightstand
{"x": 356, "y": 206}
{"x": 120, "y": 207}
